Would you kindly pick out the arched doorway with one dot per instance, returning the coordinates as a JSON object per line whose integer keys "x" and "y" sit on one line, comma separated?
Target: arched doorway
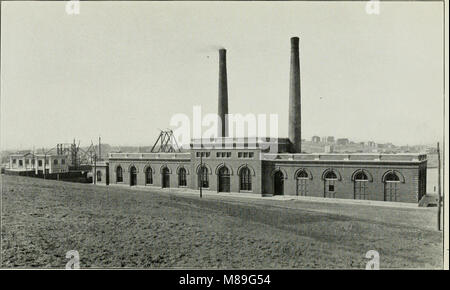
{"x": 330, "y": 184}
{"x": 391, "y": 182}
{"x": 278, "y": 182}
{"x": 165, "y": 176}
{"x": 224, "y": 180}
{"x": 133, "y": 176}
{"x": 302, "y": 183}
{"x": 360, "y": 186}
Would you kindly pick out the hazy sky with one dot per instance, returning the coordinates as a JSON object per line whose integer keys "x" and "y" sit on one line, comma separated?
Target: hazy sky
{"x": 121, "y": 69}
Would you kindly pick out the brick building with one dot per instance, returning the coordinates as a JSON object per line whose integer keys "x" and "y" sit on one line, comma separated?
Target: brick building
{"x": 272, "y": 166}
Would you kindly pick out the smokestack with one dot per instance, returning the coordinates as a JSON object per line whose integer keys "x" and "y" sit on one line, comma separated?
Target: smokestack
{"x": 223, "y": 93}
{"x": 295, "y": 129}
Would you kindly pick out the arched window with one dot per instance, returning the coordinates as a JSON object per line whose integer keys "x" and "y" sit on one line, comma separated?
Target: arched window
{"x": 165, "y": 177}
{"x": 99, "y": 176}
{"x": 203, "y": 177}
{"x": 330, "y": 184}
{"x": 360, "y": 186}
{"x": 245, "y": 179}
{"x": 302, "y": 174}
{"x": 148, "y": 175}
{"x": 391, "y": 182}
{"x": 392, "y": 177}
{"x": 133, "y": 176}
{"x": 224, "y": 179}
{"x": 302, "y": 183}
{"x": 361, "y": 176}
{"x": 119, "y": 175}
{"x": 182, "y": 177}
{"x": 330, "y": 175}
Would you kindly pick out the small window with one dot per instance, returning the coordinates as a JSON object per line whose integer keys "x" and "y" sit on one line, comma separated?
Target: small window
{"x": 55, "y": 162}
{"x": 245, "y": 154}
{"x": 208, "y": 154}
{"x": 250, "y": 154}
{"x": 331, "y": 187}
{"x": 40, "y": 162}
{"x": 228, "y": 154}
{"x": 14, "y": 161}
{"x": 217, "y": 154}
{"x": 239, "y": 154}
{"x": 27, "y": 161}
{"x": 20, "y": 162}
{"x": 63, "y": 161}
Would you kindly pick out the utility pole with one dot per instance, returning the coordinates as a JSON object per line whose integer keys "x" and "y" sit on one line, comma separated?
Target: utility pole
{"x": 439, "y": 189}
{"x": 100, "y": 148}
{"x": 94, "y": 176}
{"x": 45, "y": 160}
{"x": 201, "y": 166}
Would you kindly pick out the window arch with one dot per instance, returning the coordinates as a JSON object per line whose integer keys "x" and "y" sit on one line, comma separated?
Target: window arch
{"x": 302, "y": 174}
{"x": 391, "y": 185}
{"x": 392, "y": 177}
{"x": 148, "y": 175}
{"x": 119, "y": 174}
{"x": 360, "y": 189}
{"x": 203, "y": 179}
{"x": 182, "y": 177}
{"x": 302, "y": 179}
{"x": 245, "y": 178}
{"x": 330, "y": 178}
{"x": 360, "y": 175}
{"x": 330, "y": 175}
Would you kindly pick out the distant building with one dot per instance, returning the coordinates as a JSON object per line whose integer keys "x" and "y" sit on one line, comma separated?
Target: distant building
{"x": 330, "y": 139}
{"x": 371, "y": 144}
{"x": 315, "y": 139}
{"x": 37, "y": 163}
{"x": 342, "y": 141}
{"x": 329, "y": 149}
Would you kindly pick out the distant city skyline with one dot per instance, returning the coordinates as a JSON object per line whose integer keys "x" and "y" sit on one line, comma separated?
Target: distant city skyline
{"x": 121, "y": 70}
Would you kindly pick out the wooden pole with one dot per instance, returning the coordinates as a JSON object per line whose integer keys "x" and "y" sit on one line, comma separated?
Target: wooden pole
{"x": 45, "y": 159}
{"x": 201, "y": 167}
{"x": 94, "y": 176}
{"x": 439, "y": 189}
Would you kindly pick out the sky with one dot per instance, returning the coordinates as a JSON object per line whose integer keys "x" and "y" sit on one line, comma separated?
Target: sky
{"x": 121, "y": 70}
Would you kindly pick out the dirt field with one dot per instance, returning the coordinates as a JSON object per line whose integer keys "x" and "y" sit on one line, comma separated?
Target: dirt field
{"x": 121, "y": 227}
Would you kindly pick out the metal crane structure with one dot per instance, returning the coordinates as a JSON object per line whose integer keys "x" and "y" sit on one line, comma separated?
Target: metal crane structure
{"x": 167, "y": 142}
{"x": 77, "y": 155}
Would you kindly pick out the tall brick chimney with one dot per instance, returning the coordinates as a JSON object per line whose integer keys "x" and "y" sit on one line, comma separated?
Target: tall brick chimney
{"x": 295, "y": 129}
{"x": 223, "y": 93}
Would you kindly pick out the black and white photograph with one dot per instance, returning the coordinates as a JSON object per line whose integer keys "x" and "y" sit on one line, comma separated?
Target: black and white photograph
{"x": 237, "y": 137}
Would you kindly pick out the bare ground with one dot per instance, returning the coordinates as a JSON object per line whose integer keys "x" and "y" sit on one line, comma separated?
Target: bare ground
{"x": 123, "y": 227}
